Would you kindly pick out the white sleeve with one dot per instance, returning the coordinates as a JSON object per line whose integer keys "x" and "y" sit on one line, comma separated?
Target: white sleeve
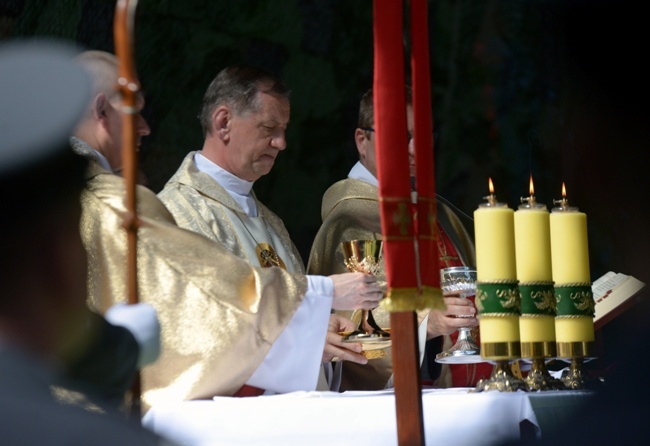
{"x": 141, "y": 320}
{"x": 294, "y": 361}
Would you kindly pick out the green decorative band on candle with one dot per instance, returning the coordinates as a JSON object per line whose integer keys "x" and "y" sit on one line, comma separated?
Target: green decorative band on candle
{"x": 575, "y": 299}
{"x": 537, "y": 298}
{"x": 546, "y": 349}
{"x": 500, "y": 350}
{"x": 585, "y": 349}
{"x": 498, "y": 298}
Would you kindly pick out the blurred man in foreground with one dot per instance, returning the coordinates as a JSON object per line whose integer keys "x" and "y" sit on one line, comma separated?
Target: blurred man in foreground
{"x": 45, "y": 324}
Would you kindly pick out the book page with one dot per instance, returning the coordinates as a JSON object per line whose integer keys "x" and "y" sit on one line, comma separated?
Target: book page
{"x": 612, "y": 293}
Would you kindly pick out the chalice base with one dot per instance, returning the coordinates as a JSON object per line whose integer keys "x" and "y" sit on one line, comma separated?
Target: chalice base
{"x": 464, "y": 351}
{"x": 502, "y": 380}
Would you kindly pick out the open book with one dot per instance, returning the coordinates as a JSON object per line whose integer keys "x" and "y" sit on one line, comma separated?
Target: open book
{"x": 614, "y": 293}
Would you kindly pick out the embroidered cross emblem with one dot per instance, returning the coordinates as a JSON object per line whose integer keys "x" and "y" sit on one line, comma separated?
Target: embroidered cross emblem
{"x": 402, "y": 218}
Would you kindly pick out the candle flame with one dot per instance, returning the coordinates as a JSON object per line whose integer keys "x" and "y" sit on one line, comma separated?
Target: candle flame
{"x": 490, "y": 185}
{"x": 531, "y": 188}
{"x": 563, "y": 190}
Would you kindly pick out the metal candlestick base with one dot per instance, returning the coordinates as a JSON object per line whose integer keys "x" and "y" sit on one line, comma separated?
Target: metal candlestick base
{"x": 539, "y": 378}
{"x": 575, "y": 379}
{"x": 502, "y": 380}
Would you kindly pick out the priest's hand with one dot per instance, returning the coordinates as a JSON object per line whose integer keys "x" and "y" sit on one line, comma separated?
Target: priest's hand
{"x": 459, "y": 313}
{"x": 355, "y": 290}
{"x": 335, "y": 348}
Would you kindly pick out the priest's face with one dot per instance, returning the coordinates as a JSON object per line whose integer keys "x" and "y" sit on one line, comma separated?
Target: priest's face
{"x": 110, "y": 142}
{"x": 257, "y": 137}
{"x": 366, "y": 145}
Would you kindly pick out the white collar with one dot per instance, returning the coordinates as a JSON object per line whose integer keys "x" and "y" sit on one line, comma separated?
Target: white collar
{"x": 239, "y": 190}
{"x": 359, "y": 172}
{"x": 98, "y": 157}
{"x": 228, "y": 181}
{"x": 103, "y": 161}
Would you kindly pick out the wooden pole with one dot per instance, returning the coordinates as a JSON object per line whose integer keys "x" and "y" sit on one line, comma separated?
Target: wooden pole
{"x": 407, "y": 381}
{"x": 410, "y": 248}
{"x": 129, "y": 88}
{"x": 398, "y": 228}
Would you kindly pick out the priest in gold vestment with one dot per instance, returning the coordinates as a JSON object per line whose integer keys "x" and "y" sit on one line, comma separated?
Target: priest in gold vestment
{"x": 350, "y": 211}
{"x": 244, "y": 117}
{"x": 220, "y": 317}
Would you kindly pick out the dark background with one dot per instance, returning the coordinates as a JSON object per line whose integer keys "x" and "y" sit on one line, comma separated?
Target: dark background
{"x": 556, "y": 89}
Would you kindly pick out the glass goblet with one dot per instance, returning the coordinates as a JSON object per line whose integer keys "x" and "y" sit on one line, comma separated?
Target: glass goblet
{"x": 461, "y": 280}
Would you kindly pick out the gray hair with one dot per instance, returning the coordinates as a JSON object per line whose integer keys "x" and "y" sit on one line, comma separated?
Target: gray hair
{"x": 238, "y": 86}
{"x": 102, "y": 67}
{"x": 366, "y": 108}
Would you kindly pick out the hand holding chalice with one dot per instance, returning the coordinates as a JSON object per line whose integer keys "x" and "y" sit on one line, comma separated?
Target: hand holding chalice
{"x": 364, "y": 256}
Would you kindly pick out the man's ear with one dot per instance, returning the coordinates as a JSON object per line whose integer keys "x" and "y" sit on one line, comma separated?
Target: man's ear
{"x": 361, "y": 140}
{"x": 100, "y": 104}
{"x": 221, "y": 122}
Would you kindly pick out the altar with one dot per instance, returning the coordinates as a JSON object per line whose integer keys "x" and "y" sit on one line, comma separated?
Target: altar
{"x": 451, "y": 416}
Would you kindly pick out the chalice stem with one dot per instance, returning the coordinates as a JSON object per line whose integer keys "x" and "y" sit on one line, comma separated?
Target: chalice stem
{"x": 364, "y": 325}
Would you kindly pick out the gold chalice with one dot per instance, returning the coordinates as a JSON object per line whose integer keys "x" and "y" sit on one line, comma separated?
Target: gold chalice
{"x": 364, "y": 256}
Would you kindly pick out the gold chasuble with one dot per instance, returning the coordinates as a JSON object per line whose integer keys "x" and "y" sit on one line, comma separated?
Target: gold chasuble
{"x": 350, "y": 211}
{"x": 219, "y": 316}
{"x": 200, "y": 204}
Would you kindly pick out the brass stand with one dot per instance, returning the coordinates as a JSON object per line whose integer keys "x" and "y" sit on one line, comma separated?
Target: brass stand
{"x": 539, "y": 378}
{"x": 502, "y": 379}
{"x": 575, "y": 379}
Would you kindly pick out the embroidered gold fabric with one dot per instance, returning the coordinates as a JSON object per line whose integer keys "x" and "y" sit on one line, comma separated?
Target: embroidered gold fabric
{"x": 218, "y": 315}
{"x": 350, "y": 211}
{"x": 199, "y": 203}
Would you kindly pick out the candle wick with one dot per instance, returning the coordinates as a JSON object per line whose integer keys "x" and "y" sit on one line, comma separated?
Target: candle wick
{"x": 491, "y": 199}
{"x": 530, "y": 200}
{"x": 564, "y": 203}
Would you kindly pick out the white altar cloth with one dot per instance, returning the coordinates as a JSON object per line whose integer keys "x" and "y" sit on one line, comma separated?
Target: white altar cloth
{"x": 451, "y": 417}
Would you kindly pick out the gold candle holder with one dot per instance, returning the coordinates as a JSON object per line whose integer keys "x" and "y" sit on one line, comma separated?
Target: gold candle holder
{"x": 498, "y": 304}
{"x": 576, "y": 351}
{"x": 538, "y": 377}
{"x": 574, "y": 325}
{"x": 538, "y": 306}
{"x": 502, "y": 379}
{"x": 497, "y": 300}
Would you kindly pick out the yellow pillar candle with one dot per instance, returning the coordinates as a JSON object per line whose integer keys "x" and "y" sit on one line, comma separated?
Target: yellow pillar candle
{"x": 495, "y": 241}
{"x": 533, "y": 254}
{"x": 533, "y": 244}
{"x": 497, "y": 295}
{"x": 579, "y": 329}
{"x": 570, "y": 266}
{"x": 497, "y": 329}
{"x": 537, "y": 329}
{"x": 570, "y": 253}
